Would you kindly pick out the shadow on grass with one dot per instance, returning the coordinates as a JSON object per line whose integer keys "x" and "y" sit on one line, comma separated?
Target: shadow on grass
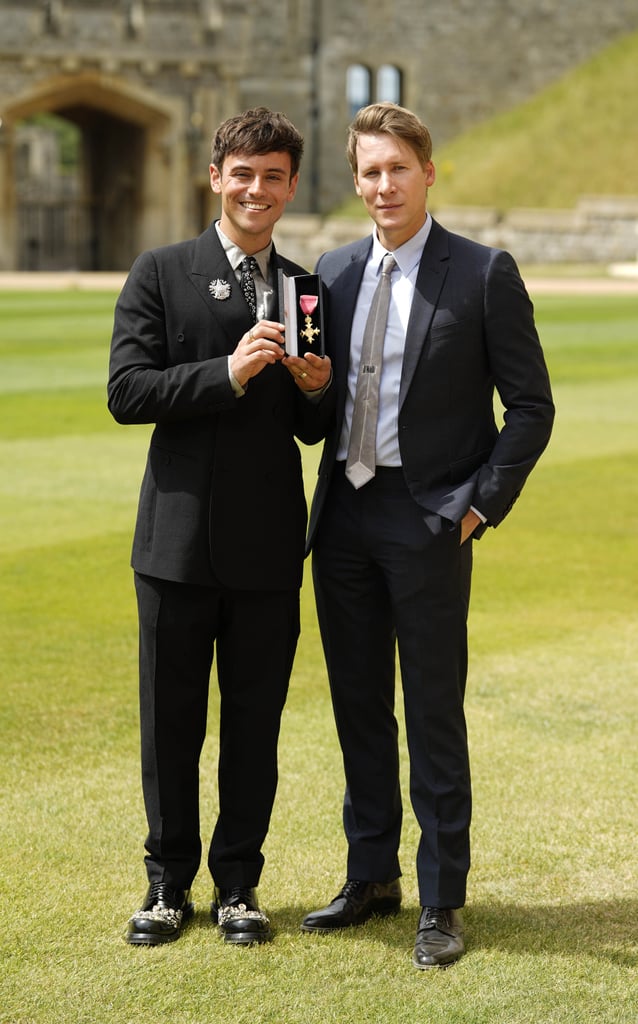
{"x": 601, "y": 930}
{"x": 598, "y": 929}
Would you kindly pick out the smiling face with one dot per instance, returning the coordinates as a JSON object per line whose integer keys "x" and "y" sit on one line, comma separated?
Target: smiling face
{"x": 393, "y": 184}
{"x": 254, "y": 189}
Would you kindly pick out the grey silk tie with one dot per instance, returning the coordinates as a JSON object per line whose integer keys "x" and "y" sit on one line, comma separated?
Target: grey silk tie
{"x": 247, "y": 283}
{"x": 361, "y": 460}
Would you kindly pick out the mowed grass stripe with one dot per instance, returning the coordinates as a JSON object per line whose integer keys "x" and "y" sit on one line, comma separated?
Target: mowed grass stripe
{"x": 551, "y": 708}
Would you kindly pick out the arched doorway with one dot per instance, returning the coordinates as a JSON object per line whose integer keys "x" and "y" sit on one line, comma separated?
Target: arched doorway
{"x": 77, "y": 190}
{"x": 118, "y": 198}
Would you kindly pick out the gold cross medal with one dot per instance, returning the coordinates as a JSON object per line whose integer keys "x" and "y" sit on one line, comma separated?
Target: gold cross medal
{"x": 308, "y": 304}
{"x": 301, "y": 309}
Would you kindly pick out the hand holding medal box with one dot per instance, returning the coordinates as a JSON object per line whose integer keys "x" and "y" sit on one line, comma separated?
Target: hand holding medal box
{"x": 301, "y": 310}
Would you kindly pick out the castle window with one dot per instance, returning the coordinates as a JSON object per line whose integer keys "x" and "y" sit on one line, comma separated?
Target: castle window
{"x": 358, "y": 87}
{"x": 389, "y": 83}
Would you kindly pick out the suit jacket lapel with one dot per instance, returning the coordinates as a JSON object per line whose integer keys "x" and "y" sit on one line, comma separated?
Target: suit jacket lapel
{"x": 343, "y": 300}
{"x": 430, "y": 278}
{"x": 211, "y": 264}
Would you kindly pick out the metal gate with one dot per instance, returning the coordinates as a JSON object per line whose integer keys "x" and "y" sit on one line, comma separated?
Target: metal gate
{"x": 57, "y": 234}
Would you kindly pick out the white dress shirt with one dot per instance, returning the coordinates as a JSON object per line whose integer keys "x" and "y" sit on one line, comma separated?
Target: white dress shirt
{"x": 264, "y": 291}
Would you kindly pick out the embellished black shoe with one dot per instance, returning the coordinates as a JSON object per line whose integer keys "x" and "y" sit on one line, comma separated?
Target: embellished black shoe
{"x": 356, "y": 902}
{"x": 439, "y": 938}
{"x": 161, "y": 917}
{"x": 238, "y": 916}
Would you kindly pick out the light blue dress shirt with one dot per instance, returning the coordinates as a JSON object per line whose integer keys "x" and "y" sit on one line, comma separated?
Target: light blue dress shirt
{"x": 407, "y": 256}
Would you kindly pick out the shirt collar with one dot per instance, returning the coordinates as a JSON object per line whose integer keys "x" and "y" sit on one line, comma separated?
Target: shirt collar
{"x": 235, "y": 255}
{"x": 407, "y": 255}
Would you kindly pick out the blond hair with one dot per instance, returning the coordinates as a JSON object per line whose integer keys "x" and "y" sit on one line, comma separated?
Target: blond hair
{"x": 389, "y": 119}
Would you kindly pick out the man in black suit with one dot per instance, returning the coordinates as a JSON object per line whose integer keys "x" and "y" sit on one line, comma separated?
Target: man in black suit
{"x": 197, "y": 350}
{"x": 393, "y": 552}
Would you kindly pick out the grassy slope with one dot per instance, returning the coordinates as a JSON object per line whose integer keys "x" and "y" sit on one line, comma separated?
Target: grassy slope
{"x": 551, "y": 710}
{"x": 576, "y": 137}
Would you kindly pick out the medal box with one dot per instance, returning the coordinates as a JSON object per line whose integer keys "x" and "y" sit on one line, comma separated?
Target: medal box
{"x": 300, "y": 303}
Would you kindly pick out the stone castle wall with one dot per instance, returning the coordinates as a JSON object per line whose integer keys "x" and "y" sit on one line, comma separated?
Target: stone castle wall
{"x": 598, "y": 230}
{"x": 148, "y": 81}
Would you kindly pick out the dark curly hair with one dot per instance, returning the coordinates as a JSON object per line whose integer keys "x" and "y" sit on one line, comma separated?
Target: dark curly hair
{"x": 257, "y": 131}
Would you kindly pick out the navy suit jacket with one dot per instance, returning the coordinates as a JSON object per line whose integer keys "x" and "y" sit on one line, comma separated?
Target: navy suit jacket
{"x": 222, "y": 499}
{"x": 471, "y": 332}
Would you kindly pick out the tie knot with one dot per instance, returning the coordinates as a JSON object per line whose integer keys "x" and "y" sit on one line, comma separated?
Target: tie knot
{"x": 389, "y": 263}
{"x": 249, "y": 265}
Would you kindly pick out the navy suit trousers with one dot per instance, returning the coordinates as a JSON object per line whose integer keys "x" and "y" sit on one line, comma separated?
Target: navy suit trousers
{"x": 390, "y": 575}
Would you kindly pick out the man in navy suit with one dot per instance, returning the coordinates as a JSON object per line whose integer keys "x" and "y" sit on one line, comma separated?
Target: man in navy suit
{"x": 392, "y": 556}
{"x": 197, "y": 350}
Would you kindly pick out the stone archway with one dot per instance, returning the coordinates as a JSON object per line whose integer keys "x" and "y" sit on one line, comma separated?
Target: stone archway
{"x": 133, "y": 193}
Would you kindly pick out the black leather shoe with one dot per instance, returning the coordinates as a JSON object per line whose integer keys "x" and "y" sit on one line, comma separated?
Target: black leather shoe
{"x": 237, "y": 913}
{"x": 356, "y": 902}
{"x": 439, "y": 938}
{"x": 161, "y": 916}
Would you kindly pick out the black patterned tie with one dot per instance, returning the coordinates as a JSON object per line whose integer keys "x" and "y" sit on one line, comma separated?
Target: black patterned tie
{"x": 247, "y": 284}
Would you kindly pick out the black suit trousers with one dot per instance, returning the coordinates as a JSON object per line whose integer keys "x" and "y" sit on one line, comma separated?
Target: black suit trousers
{"x": 387, "y": 574}
{"x": 255, "y": 635}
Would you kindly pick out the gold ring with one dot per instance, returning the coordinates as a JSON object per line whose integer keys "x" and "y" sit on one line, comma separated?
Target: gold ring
{"x": 251, "y": 334}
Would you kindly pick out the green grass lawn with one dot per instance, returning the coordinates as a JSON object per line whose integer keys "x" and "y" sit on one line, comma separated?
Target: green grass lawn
{"x": 552, "y": 905}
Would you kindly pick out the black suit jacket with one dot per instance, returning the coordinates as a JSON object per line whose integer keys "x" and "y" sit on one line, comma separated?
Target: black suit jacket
{"x": 471, "y": 331}
{"x": 222, "y": 498}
